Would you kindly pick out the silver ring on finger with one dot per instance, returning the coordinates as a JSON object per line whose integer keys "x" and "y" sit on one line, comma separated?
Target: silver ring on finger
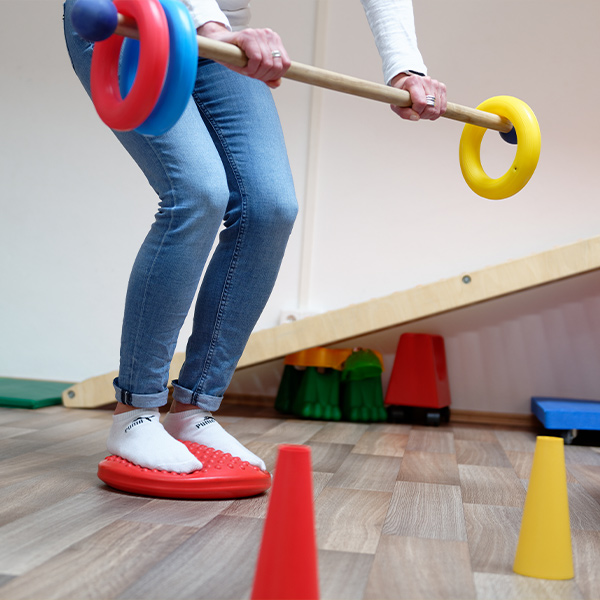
{"x": 430, "y": 100}
{"x": 276, "y": 54}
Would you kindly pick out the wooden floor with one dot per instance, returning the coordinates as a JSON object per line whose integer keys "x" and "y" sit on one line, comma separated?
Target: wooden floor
{"x": 401, "y": 512}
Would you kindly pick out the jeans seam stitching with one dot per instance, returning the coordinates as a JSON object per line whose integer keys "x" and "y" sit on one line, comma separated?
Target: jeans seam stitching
{"x": 223, "y": 301}
{"x": 155, "y": 258}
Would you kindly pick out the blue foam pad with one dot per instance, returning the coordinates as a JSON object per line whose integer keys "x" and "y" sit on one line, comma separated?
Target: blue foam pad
{"x": 564, "y": 413}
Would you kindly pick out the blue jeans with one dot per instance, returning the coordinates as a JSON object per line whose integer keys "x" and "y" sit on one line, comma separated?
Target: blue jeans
{"x": 223, "y": 164}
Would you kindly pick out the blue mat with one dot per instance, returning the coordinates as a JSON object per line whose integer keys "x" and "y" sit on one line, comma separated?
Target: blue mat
{"x": 565, "y": 413}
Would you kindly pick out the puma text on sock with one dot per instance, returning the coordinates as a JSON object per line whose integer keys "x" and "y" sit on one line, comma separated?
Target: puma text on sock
{"x": 200, "y": 427}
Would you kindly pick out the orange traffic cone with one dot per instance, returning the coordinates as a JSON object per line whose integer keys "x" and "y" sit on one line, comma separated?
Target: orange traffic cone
{"x": 287, "y": 566}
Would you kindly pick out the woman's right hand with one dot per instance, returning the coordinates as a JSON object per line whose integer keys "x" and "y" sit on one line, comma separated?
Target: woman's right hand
{"x": 267, "y": 57}
{"x": 419, "y": 88}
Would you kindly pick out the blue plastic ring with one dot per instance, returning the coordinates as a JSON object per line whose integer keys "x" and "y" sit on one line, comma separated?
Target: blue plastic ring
{"x": 181, "y": 73}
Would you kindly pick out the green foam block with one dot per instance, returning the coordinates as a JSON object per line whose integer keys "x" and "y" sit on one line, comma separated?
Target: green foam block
{"x": 30, "y": 393}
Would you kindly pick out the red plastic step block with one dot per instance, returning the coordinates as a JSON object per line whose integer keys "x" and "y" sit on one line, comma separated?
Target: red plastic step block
{"x": 419, "y": 375}
{"x": 222, "y": 477}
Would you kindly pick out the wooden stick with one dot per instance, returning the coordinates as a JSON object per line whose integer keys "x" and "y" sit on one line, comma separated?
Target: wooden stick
{"x": 232, "y": 55}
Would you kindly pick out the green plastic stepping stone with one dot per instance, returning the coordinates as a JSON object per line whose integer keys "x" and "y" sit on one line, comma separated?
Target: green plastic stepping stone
{"x": 288, "y": 388}
{"x": 362, "y": 401}
{"x": 361, "y": 364}
{"x": 319, "y": 395}
{"x": 362, "y": 391}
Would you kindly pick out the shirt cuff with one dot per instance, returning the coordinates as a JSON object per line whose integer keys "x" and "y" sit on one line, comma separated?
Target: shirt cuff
{"x": 206, "y": 11}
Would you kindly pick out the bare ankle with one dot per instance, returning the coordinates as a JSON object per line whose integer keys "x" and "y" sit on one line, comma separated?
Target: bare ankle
{"x": 177, "y": 407}
{"x": 121, "y": 408}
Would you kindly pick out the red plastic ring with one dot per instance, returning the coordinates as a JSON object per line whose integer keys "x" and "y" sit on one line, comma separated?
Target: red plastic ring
{"x": 125, "y": 114}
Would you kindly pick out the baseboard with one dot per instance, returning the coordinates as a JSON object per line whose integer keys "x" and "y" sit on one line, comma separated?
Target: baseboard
{"x": 248, "y": 400}
{"x": 474, "y": 417}
{"x": 458, "y": 416}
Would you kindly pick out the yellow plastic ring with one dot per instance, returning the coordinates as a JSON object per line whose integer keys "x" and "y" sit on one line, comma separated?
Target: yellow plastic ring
{"x": 526, "y": 158}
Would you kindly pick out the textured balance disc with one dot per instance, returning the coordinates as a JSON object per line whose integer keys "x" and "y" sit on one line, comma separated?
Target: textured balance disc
{"x": 221, "y": 477}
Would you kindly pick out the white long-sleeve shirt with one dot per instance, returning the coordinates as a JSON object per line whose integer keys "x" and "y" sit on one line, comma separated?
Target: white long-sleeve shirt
{"x": 234, "y": 14}
{"x": 391, "y": 21}
{"x": 393, "y": 25}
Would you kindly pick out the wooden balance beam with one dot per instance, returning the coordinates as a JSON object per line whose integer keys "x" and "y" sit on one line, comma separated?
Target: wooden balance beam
{"x": 383, "y": 313}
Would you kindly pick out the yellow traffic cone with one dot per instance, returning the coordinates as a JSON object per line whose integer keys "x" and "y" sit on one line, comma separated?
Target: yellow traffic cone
{"x": 544, "y": 548}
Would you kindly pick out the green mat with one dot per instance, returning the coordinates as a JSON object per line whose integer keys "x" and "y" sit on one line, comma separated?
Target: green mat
{"x": 30, "y": 393}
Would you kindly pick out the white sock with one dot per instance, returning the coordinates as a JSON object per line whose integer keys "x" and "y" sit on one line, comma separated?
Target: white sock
{"x": 138, "y": 437}
{"x": 200, "y": 427}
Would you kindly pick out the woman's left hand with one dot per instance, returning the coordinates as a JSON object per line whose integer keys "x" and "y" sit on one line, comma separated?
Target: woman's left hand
{"x": 267, "y": 57}
{"x": 420, "y": 87}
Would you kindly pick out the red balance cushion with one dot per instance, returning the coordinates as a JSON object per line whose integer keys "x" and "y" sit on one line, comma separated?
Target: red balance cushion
{"x": 221, "y": 477}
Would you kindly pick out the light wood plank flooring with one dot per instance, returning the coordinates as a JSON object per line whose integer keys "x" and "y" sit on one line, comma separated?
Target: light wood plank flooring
{"x": 401, "y": 511}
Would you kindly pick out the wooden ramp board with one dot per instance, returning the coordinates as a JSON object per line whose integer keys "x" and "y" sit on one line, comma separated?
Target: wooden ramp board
{"x": 30, "y": 393}
{"x": 383, "y": 313}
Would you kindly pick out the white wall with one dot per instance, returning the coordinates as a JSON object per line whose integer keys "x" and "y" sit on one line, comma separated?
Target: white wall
{"x": 391, "y": 210}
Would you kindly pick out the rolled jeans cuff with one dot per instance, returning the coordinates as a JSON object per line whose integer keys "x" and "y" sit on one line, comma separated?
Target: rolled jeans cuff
{"x": 203, "y": 401}
{"x": 140, "y": 400}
